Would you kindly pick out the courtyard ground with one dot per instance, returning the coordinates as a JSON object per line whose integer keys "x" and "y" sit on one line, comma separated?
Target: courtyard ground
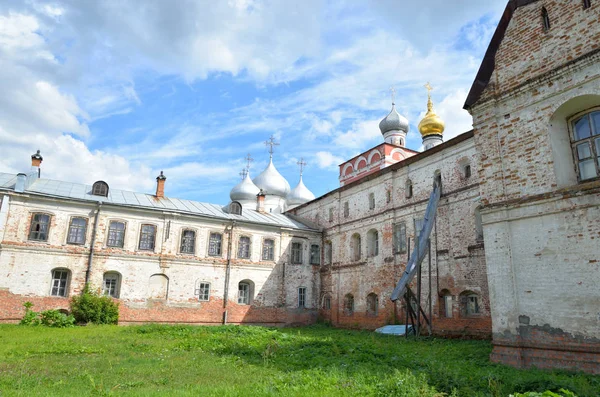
{"x": 251, "y": 361}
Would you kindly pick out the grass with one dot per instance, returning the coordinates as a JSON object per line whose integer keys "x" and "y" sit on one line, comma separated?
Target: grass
{"x": 155, "y": 360}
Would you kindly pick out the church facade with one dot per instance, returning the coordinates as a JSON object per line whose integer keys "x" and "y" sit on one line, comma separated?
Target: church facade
{"x": 514, "y": 254}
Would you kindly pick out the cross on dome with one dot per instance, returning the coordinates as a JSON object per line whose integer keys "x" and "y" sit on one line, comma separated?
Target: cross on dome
{"x": 248, "y": 159}
{"x": 302, "y": 164}
{"x": 243, "y": 173}
{"x": 271, "y": 142}
{"x": 393, "y": 92}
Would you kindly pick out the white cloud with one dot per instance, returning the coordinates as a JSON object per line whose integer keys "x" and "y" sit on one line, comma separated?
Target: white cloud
{"x": 328, "y": 160}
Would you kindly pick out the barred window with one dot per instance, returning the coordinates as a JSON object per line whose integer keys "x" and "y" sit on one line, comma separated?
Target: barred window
{"x": 302, "y": 297}
{"x": 214, "y": 244}
{"x": 585, "y": 143}
{"x": 116, "y": 234}
{"x": 400, "y": 238}
{"x": 111, "y": 284}
{"x": 315, "y": 255}
{"x": 244, "y": 247}
{"x": 147, "y": 237}
{"x": 60, "y": 282}
{"x": 297, "y": 253}
{"x": 188, "y": 242}
{"x": 77, "y": 228}
{"x": 40, "y": 225}
{"x": 268, "y": 251}
{"x": 202, "y": 290}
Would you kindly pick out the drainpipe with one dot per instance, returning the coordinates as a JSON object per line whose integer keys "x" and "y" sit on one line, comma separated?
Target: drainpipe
{"x": 227, "y": 272}
{"x": 91, "y": 256}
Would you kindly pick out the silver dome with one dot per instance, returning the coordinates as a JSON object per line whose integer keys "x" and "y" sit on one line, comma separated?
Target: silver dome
{"x": 299, "y": 195}
{"x": 246, "y": 190}
{"x": 271, "y": 182}
{"x": 393, "y": 122}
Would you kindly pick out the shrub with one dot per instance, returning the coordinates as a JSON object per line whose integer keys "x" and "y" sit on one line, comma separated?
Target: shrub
{"x": 91, "y": 307}
{"x": 30, "y": 317}
{"x": 48, "y": 318}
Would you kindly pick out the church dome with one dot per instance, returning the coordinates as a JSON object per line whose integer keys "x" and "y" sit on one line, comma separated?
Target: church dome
{"x": 299, "y": 195}
{"x": 271, "y": 182}
{"x": 246, "y": 190}
{"x": 393, "y": 122}
{"x": 431, "y": 124}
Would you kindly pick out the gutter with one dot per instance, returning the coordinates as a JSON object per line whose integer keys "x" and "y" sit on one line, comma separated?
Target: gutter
{"x": 227, "y": 272}
{"x": 91, "y": 256}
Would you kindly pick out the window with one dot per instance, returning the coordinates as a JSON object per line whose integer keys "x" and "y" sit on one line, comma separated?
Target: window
{"x": 388, "y": 196}
{"x": 268, "y": 251}
{"x": 349, "y": 304}
{"x": 545, "y": 19}
{"x": 445, "y": 304}
{"x": 371, "y": 201}
{"x": 467, "y": 171}
{"x": 116, "y": 234}
{"x": 346, "y": 209}
{"x": 587, "y": 4}
{"x": 400, "y": 238}
{"x": 302, "y": 297}
{"x": 328, "y": 252}
{"x": 373, "y": 238}
{"x": 331, "y": 215}
{"x": 244, "y": 247}
{"x": 297, "y": 253}
{"x": 111, "y": 284}
{"x": 356, "y": 247}
{"x": 245, "y": 292}
{"x": 409, "y": 188}
{"x": 478, "y": 225}
{"x": 469, "y": 304}
{"x": 40, "y": 225}
{"x": 188, "y": 242}
{"x": 77, "y": 228}
{"x": 327, "y": 302}
{"x": 372, "y": 304}
{"x": 315, "y": 254}
{"x": 235, "y": 208}
{"x": 60, "y": 282}
{"x": 147, "y": 237}
{"x": 100, "y": 188}
{"x": 202, "y": 290}
{"x": 214, "y": 244}
{"x": 586, "y": 144}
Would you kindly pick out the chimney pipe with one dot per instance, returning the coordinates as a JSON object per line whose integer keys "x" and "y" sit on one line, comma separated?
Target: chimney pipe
{"x": 160, "y": 185}
{"x": 260, "y": 202}
{"x": 36, "y": 161}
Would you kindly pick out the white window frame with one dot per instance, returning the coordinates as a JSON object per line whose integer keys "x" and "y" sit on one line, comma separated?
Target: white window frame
{"x": 79, "y": 231}
{"x": 111, "y": 290}
{"x": 202, "y": 290}
{"x": 60, "y": 283}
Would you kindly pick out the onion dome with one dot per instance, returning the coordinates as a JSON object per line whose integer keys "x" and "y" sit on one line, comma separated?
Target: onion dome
{"x": 271, "y": 181}
{"x": 246, "y": 190}
{"x": 299, "y": 195}
{"x": 431, "y": 124}
{"x": 393, "y": 122}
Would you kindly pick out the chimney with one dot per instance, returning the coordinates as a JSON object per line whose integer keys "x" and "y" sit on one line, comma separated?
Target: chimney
{"x": 36, "y": 161}
{"x": 260, "y": 202}
{"x": 160, "y": 185}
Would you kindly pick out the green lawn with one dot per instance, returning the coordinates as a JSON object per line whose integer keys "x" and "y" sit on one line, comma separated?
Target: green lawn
{"x": 249, "y": 361}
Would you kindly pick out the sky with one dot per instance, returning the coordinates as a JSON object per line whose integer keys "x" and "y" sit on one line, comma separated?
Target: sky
{"x": 120, "y": 90}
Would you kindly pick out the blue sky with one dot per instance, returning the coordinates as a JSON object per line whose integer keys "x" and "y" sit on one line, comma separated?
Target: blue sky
{"x": 119, "y": 90}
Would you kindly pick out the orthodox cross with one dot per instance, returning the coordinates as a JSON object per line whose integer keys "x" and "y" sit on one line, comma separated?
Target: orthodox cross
{"x": 243, "y": 173}
{"x": 393, "y": 92}
{"x": 248, "y": 159}
{"x": 302, "y": 164}
{"x": 271, "y": 142}
{"x": 429, "y": 88}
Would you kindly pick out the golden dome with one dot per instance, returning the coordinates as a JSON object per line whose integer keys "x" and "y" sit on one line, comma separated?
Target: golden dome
{"x": 431, "y": 124}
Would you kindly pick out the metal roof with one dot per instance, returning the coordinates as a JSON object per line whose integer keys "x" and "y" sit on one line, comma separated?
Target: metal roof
{"x": 81, "y": 192}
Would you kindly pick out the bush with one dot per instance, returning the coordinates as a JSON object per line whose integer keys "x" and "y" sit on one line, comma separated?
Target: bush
{"x": 91, "y": 307}
{"x": 48, "y": 318}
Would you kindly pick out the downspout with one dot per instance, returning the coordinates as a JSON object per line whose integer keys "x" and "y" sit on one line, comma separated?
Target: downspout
{"x": 91, "y": 255}
{"x": 227, "y": 273}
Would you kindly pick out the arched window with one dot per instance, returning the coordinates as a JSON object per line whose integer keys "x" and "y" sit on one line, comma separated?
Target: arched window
{"x": 371, "y": 201}
{"x": 77, "y": 229}
{"x": 356, "y": 247}
{"x": 585, "y": 142}
{"x": 349, "y": 304}
{"x": 39, "y": 228}
{"x": 373, "y": 240}
{"x": 111, "y": 284}
{"x": 245, "y": 292}
{"x": 235, "y": 208}
{"x": 244, "y": 247}
{"x": 545, "y": 20}
{"x": 445, "y": 304}
{"x": 469, "y": 304}
{"x": 60, "y": 282}
{"x": 100, "y": 188}
{"x": 202, "y": 290}
{"x": 409, "y": 188}
{"x": 158, "y": 286}
{"x": 188, "y": 242}
{"x": 372, "y": 304}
